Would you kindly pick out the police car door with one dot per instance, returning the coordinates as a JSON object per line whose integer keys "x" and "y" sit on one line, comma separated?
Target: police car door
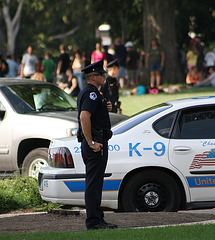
{"x": 192, "y": 150}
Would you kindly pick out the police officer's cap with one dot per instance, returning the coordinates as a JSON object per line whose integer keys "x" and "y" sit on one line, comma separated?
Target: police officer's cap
{"x": 94, "y": 67}
{"x": 113, "y": 63}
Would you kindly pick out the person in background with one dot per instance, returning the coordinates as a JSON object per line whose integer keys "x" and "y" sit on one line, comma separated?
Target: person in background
{"x": 73, "y": 88}
{"x": 64, "y": 86}
{"x": 139, "y": 90}
{"x": 209, "y": 59}
{"x": 98, "y": 54}
{"x": 38, "y": 76}
{"x": 48, "y": 67}
{"x": 193, "y": 76}
{"x": 85, "y": 60}
{"x": 120, "y": 54}
{"x": 94, "y": 133}
{"x": 29, "y": 64}
{"x": 200, "y": 52}
{"x": 155, "y": 63}
{"x": 63, "y": 65}
{"x": 209, "y": 81}
{"x": 13, "y": 67}
{"x": 110, "y": 90}
{"x": 76, "y": 68}
{"x": 191, "y": 56}
{"x": 40, "y": 68}
{"x": 132, "y": 62}
{"x": 4, "y": 68}
{"x": 19, "y": 64}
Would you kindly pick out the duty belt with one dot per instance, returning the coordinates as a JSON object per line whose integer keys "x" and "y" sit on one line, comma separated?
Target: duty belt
{"x": 101, "y": 135}
{"x": 98, "y": 136}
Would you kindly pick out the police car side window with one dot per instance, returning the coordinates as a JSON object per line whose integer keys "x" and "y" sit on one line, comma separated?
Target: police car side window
{"x": 164, "y": 125}
{"x": 196, "y": 123}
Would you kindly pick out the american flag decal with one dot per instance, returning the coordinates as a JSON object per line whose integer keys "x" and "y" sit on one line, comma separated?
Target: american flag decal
{"x": 206, "y": 158}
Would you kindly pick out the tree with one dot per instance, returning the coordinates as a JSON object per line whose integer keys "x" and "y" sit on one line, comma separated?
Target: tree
{"x": 124, "y": 17}
{"x": 13, "y": 24}
{"x": 159, "y": 23}
{"x": 47, "y": 23}
{"x": 155, "y": 19}
{"x": 197, "y": 16}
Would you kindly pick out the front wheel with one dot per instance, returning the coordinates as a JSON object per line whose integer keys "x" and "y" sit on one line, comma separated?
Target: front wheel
{"x": 34, "y": 161}
{"x": 151, "y": 191}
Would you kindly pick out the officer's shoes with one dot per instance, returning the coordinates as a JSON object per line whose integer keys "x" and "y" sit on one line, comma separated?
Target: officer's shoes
{"x": 102, "y": 225}
{"x": 110, "y": 225}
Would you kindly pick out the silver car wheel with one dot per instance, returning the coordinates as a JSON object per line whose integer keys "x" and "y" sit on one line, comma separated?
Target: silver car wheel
{"x": 34, "y": 161}
{"x": 35, "y": 167}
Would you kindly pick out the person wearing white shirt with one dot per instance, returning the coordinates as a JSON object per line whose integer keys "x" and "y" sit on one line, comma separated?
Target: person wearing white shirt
{"x": 209, "y": 59}
{"x": 29, "y": 64}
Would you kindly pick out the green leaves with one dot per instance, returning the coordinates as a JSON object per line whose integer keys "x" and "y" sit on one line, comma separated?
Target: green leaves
{"x": 19, "y": 193}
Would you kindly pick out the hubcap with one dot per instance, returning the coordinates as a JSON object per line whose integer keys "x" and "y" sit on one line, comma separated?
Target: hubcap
{"x": 151, "y": 197}
{"x": 35, "y": 167}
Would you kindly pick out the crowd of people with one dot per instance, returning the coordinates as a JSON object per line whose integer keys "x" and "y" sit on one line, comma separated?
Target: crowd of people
{"x": 200, "y": 65}
{"x": 59, "y": 72}
{"x": 66, "y": 71}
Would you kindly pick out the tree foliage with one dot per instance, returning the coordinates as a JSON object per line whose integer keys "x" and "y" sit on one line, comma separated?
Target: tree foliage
{"x": 197, "y": 16}
{"x": 47, "y": 23}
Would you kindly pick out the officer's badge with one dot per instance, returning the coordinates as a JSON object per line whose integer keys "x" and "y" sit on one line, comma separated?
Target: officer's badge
{"x": 93, "y": 96}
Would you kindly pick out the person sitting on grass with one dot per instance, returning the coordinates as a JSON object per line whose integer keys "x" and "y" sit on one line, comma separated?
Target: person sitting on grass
{"x": 193, "y": 76}
{"x": 209, "y": 81}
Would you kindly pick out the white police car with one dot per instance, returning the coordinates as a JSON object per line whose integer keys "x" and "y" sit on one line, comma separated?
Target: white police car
{"x": 161, "y": 159}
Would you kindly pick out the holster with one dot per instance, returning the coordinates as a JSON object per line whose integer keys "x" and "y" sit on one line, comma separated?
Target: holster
{"x": 101, "y": 135}
{"x": 98, "y": 136}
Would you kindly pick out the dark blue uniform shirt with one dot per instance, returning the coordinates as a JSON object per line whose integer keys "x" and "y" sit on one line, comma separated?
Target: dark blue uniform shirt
{"x": 90, "y": 99}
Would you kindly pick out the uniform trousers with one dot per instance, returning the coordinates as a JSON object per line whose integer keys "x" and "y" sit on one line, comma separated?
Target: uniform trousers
{"x": 95, "y": 163}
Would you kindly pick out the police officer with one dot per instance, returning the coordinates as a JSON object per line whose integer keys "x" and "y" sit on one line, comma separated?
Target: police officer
{"x": 110, "y": 90}
{"x": 94, "y": 132}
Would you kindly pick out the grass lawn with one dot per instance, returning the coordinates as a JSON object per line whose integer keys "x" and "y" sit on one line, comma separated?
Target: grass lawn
{"x": 133, "y": 104}
{"x": 197, "y": 232}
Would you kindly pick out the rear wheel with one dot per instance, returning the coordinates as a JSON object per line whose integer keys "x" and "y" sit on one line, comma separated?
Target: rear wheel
{"x": 34, "y": 161}
{"x": 151, "y": 191}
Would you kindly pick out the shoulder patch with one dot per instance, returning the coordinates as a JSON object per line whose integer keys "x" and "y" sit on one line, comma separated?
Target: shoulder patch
{"x": 93, "y": 96}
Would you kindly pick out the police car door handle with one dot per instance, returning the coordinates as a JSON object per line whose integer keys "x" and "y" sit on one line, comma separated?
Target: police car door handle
{"x": 182, "y": 149}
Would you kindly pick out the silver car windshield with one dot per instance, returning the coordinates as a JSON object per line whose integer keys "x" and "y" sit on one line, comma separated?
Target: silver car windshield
{"x": 139, "y": 117}
{"x": 38, "y": 98}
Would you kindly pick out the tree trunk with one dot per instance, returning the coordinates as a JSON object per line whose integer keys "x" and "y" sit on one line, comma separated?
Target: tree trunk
{"x": 159, "y": 23}
{"x": 12, "y": 25}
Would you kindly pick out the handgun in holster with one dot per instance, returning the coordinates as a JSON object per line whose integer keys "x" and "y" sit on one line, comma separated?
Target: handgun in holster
{"x": 101, "y": 135}
{"x": 97, "y": 135}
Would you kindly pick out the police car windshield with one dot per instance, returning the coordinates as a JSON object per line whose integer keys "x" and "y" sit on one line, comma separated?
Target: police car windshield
{"x": 139, "y": 117}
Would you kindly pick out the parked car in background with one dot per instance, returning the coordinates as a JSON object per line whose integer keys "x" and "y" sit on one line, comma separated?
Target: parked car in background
{"x": 162, "y": 159}
{"x": 31, "y": 114}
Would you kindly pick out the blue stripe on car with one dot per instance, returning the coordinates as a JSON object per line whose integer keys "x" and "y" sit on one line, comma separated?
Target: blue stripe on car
{"x": 79, "y": 186}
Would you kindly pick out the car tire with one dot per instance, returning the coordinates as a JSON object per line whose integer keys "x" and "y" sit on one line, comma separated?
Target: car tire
{"x": 151, "y": 191}
{"x": 34, "y": 161}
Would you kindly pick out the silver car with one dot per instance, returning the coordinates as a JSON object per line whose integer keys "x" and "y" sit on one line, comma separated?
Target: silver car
{"x": 31, "y": 114}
